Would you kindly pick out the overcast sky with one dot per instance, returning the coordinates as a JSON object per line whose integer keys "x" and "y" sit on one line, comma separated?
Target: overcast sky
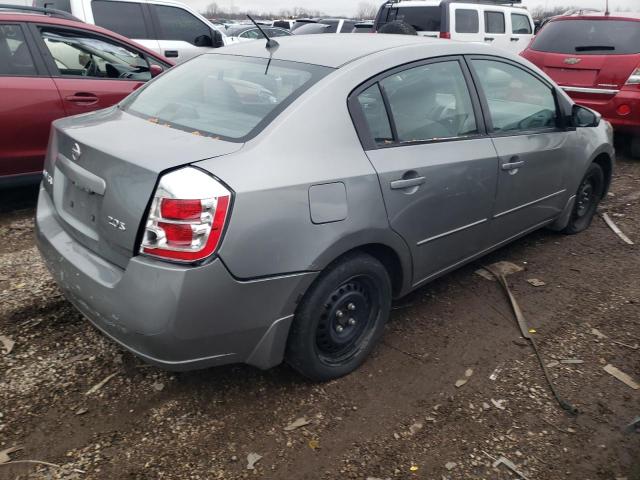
{"x": 348, "y": 7}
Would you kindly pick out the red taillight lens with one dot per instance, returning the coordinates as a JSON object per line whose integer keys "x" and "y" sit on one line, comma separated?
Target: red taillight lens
{"x": 180, "y": 209}
{"x": 445, "y": 35}
{"x": 183, "y": 228}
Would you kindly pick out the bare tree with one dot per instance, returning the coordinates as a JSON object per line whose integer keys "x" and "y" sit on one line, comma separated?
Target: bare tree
{"x": 366, "y": 11}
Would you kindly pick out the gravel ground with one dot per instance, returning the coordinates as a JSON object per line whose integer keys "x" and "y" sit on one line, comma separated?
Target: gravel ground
{"x": 400, "y": 416}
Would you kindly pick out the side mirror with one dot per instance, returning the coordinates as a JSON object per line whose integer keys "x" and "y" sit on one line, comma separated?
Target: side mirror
{"x": 218, "y": 41}
{"x": 155, "y": 70}
{"x": 203, "y": 41}
{"x": 583, "y": 117}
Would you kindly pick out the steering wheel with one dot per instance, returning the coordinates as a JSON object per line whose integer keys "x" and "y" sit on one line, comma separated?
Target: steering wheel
{"x": 91, "y": 69}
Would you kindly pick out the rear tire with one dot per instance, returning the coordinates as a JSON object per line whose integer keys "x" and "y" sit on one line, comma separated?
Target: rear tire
{"x": 398, "y": 27}
{"x": 340, "y": 318}
{"x": 588, "y": 197}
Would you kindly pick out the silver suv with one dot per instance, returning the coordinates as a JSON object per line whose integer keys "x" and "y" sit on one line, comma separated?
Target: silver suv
{"x": 256, "y": 205}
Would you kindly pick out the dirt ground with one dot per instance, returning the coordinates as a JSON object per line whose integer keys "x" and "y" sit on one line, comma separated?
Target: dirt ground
{"x": 399, "y": 417}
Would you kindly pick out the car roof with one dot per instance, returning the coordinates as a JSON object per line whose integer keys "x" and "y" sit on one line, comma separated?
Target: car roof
{"x": 35, "y": 17}
{"x": 329, "y": 49}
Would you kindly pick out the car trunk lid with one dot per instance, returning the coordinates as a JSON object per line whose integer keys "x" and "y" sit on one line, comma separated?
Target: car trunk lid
{"x": 102, "y": 169}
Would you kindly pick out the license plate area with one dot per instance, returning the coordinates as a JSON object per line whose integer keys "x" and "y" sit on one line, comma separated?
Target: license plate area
{"x": 78, "y": 207}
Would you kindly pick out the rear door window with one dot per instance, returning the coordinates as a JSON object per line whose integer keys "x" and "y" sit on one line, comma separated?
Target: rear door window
{"x": 494, "y": 22}
{"x": 125, "y": 18}
{"x": 520, "y": 24}
{"x": 589, "y": 37}
{"x": 178, "y": 24}
{"x": 517, "y": 100}
{"x": 375, "y": 114}
{"x": 467, "y": 21}
{"x": 15, "y": 57}
{"x": 430, "y": 102}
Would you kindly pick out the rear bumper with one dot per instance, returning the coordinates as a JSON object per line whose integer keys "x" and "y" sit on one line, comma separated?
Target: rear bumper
{"x": 176, "y": 317}
{"x": 607, "y": 106}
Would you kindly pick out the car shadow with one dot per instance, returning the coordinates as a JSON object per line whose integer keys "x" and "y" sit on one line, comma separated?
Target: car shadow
{"x": 18, "y": 198}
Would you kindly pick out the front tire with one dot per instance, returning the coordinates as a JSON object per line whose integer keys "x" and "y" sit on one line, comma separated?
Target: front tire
{"x": 340, "y": 318}
{"x": 588, "y": 196}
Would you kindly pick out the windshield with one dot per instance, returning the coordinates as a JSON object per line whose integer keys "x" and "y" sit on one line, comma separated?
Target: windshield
{"x": 589, "y": 37}
{"x": 222, "y": 95}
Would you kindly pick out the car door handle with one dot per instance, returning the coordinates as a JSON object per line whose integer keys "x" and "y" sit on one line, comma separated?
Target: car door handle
{"x": 407, "y": 183}
{"x": 171, "y": 53}
{"x": 513, "y": 164}
{"x": 489, "y": 39}
{"x": 83, "y": 98}
{"x": 515, "y": 39}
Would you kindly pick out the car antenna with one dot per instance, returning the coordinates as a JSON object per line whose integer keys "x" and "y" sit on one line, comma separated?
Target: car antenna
{"x": 607, "y": 13}
{"x": 271, "y": 46}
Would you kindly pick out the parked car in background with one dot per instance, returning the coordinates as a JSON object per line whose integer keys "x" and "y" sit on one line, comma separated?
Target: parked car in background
{"x": 52, "y": 66}
{"x": 499, "y": 23}
{"x": 300, "y": 22}
{"x": 596, "y": 59}
{"x": 170, "y": 28}
{"x": 286, "y": 24}
{"x": 327, "y": 25}
{"x": 363, "y": 27}
{"x": 251, "y": 32}
{"x": 446, "y": 151}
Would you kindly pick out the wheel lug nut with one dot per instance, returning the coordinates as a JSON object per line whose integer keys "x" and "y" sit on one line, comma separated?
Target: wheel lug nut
{"x": 351, "y": 306}
{"x": 352, "y": 321}
{"x": 339, "y": 328}
{"x": 339, "y": 314}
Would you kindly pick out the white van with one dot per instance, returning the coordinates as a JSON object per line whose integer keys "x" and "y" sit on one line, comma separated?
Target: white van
{"x": 170, "y": 28}
{"x": 498, "y": 23}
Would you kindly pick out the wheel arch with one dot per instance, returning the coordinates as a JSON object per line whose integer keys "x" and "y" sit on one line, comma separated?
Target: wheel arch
{"x": 387, "y": 247}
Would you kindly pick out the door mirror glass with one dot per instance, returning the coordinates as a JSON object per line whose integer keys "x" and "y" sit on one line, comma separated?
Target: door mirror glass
{"x": 583, "y": 117}
{"x": 203, "y": 41}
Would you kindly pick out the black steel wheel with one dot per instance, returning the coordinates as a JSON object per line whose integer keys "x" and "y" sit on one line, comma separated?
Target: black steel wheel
{"x": 340, "y": 318}
{"x": 588, "y": 197}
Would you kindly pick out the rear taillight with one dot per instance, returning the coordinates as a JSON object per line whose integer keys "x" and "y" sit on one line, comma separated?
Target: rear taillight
{"x": 634, "y": 79}
{"x": 445, "y": 35}
{"x": 187, "y": 216}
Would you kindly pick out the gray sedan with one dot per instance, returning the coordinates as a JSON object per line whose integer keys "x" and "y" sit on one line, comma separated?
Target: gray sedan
{"x": 242, "y": 208}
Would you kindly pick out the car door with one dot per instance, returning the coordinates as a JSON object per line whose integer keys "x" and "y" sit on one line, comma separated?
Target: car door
{"x": 465, "y": 24}
{"x": 495, "y": 28}
{"x": 91, "y": 71}
{"x": 521, "y": 31}
{"x": 181, "y": 34}
{"x": 424, "y": 136}
{"x": 130, "y": 19}
{"x": 29, "y": 103}
{"x": 533, "y": 149}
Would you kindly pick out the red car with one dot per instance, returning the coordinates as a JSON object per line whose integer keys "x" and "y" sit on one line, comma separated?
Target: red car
{"x": 596, "y": 59}
{"x": 53, "y": 65}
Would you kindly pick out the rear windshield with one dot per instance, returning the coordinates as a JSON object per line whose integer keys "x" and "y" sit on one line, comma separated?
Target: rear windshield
{"x": 224, "y": 96}
{"x": 589, "y": 37}
{"x": 423, "y": 19}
